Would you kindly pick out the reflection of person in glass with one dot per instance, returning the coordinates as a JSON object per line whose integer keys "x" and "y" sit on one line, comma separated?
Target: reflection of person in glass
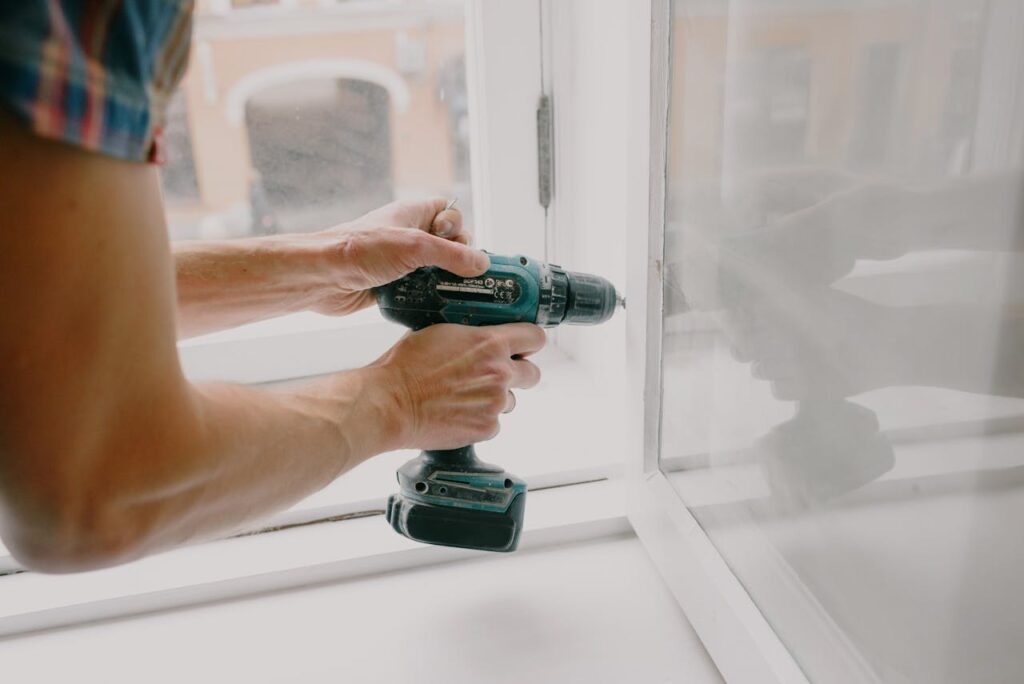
{"x": 774, "y": 287}
{"x": 107, "y": 452}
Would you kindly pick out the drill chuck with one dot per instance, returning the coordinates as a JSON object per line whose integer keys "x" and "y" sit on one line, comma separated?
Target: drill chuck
{"x": 589, "y": 299}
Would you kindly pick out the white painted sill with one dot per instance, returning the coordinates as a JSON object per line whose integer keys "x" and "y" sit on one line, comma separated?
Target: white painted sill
{"x": 294, "y": 346}
{"x": 298, "y": 557}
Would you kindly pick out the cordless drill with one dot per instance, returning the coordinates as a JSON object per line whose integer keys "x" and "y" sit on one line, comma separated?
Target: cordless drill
{"x": 449, "y": 496}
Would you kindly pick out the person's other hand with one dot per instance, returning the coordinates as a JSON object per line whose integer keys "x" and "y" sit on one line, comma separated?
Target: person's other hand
{"x": 388, "y": 243}
{"x": 820, "y": 344}
{"x": 448, "y": 384}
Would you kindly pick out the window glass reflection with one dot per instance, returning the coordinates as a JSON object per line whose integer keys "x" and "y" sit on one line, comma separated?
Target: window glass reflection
{"x": 844, "y": 324}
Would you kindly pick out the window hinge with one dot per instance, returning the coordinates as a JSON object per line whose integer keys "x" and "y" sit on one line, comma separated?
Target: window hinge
{"x": 545, "y": 151}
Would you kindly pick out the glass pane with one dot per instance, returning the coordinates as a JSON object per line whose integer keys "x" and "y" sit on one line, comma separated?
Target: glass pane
{"x": 296, "y": 116}
{"x": 843, "y": 366}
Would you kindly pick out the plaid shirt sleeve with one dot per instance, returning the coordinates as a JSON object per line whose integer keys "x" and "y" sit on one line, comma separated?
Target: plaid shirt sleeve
{"x": 94, "y": 73}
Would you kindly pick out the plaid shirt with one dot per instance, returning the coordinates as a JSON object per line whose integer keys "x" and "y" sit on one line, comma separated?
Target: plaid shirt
{"x": 94, "y": 73}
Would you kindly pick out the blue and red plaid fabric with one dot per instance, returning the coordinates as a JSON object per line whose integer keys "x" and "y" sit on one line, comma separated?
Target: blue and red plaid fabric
{"x": 94, "y": 73}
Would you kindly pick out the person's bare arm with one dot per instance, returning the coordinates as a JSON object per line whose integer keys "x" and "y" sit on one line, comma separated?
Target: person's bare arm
{"x": 225, "y": 283}
{"x": 107, "y": 453}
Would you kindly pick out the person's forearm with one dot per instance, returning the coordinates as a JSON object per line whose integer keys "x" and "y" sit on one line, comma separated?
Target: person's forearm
{"x": 222, "y": 284}
{"x": 982, "y": 212}
{"x": 260, "y": 451}
{"x": 199, "y": 462}
{"x": 227, "y": 283}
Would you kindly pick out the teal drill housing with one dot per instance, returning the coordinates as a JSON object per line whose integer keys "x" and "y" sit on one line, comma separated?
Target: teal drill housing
{"x": 450, "y": 497}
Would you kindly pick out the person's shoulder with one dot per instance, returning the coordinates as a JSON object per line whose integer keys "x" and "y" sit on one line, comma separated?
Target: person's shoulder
{"x": 96, "y": 74}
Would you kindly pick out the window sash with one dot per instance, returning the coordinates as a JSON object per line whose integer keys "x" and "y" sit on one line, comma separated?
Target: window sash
{"x": 735, "y": 633}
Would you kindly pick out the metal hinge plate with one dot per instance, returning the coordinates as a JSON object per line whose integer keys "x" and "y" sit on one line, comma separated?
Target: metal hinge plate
{"x": 545, "y": 151}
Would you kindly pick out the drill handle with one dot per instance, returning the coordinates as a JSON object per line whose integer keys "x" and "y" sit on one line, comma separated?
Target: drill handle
{"x": 457, "y": 458}
{"x": 463, "y": 459}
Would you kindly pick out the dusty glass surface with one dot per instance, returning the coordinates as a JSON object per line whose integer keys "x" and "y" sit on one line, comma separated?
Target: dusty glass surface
{"x": 844, "y": 324}
{"x": 296, "y": 116}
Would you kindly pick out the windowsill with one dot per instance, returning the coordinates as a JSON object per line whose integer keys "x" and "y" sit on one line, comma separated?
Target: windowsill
{"x": 314, "y": 554}
{"x": 294, "y": 346}
{"x": 593, "y": 611}
{"x": 291, "y": 324}
{"x": 955, "y": 460}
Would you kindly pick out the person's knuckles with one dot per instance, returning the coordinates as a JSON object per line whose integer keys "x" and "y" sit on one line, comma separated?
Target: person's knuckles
{"x": 500, "y": 375}
{"x": 492, "y": 430}
{"x": 540, "y": 337}
{"x": 419, "y": 245}
{"x": 496, "y": 402}
{"x": 526, "y": 374}
{"x": 457, "y": 257}
{"x": 491, "y": 345}
{"x": 447, "y": 224}
{"x": 522, "y": 338}
{"x": 532, "y": 375}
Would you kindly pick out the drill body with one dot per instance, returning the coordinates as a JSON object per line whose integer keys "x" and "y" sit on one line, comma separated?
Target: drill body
{"x": 450, "y": 497}
{"x": 514, "y": 289}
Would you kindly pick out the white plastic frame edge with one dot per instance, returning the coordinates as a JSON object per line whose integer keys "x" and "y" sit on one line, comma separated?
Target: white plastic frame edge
{"x": 596, "y": 512}
{"x": 739, "y": 639}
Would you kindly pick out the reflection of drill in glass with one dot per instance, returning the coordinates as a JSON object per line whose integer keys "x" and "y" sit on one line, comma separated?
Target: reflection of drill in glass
{"x": 831, "y": 446}
{"x": 765, "y": 260}
{"x": 449, "y": 496}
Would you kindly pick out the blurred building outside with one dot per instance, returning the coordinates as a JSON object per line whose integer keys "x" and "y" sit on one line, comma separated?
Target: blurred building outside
{"x": 295, "y": 115}
{"x": 880, "y": 88}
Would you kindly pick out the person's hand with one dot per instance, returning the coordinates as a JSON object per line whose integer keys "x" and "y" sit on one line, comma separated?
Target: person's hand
{"x": 388, "y": 243}
{"x": 806, "y": 226}
{"x": 448, "y": 384}
{"x": 820, "y": 344}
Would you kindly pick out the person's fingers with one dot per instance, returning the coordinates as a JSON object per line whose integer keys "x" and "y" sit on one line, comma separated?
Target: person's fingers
{"x": 522, "y": 339}
{"x": 465, "y": 237}
{"x": 460, "y": 259}
{"x": 525, "y": 374}
{"x": 510, "y": 402}
{"x": 448, "y": 224}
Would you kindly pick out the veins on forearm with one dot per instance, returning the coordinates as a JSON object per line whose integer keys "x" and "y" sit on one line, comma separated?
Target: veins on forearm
{"x": 229, "y": 283}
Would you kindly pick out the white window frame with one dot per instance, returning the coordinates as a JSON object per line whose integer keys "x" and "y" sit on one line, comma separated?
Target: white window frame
{"x": 741, "y": 641}
{"x": 304, "y": 547}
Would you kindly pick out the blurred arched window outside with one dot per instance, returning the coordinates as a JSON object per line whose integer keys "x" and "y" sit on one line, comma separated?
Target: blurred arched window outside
{"x": 320, "y": 149}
